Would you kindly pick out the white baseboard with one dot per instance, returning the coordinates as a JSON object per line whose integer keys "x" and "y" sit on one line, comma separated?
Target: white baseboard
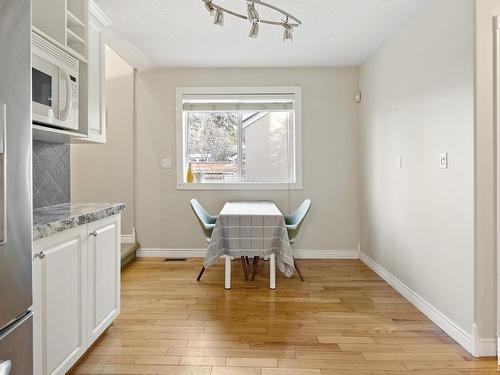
{"x": 498, "y": 350}
{"x": 486, "y": 348}
{"x": 326, "y": 254}
{"x": 483, "y": 347}
{"x": 170, "y": 253}
{"x": 127, "y": 238}
{"x": 199, "y": 253}
{"x": 446, "y": 324}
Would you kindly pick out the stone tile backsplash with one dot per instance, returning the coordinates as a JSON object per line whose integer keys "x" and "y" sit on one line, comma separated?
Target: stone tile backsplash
{"x": 51, "y": 174}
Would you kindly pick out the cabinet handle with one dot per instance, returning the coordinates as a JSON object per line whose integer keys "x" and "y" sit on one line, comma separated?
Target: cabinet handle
{"x": 39, "y": 255}
{"x": 93, "y": 234}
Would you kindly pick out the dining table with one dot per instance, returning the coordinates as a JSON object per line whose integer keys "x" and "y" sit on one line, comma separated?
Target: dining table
{"x": 251, "y": 229}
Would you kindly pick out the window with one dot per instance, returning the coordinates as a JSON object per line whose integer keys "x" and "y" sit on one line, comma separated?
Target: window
{"x": 239, "y": 138}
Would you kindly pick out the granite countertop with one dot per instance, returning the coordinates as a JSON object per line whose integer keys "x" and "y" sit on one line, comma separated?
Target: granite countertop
{"x": 58, "y": 218}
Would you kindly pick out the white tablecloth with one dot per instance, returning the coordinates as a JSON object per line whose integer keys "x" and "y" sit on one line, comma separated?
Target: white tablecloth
{"x": 251, "y": 229}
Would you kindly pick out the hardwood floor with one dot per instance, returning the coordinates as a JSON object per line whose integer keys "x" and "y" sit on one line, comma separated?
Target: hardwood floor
{"x": 343, "y": 320}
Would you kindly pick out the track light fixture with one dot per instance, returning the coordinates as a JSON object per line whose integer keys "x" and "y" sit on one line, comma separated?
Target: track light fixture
{"x": 287, "y": 31}
{"x": 219, "y": 17}
{"x": 254, "y": 31}
{"x": 254, "y": 17}
{"x": 209, "y": 6}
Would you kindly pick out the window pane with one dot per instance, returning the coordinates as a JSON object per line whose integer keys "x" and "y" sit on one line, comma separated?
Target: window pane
{"x": 265, "y": 154}
{"x": 212, "y": 145}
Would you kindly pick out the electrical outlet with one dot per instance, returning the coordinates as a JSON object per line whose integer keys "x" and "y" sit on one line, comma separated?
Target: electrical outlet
{"x": 357, "y": 97}
{"x": 443, "y": 160}
{"x": 166, "y": 163}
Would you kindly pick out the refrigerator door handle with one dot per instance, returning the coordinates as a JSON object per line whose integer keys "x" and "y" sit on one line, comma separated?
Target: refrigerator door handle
{"x": 3, "y": 125}
{"x": 5, "y": 367}
{"x": 3, "y": 175}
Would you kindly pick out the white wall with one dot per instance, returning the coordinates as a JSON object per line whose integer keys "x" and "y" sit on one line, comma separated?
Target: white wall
{"x": 418, "y": 102}
{"x": 163, "y": 216}
{"x": 105, "y": 173}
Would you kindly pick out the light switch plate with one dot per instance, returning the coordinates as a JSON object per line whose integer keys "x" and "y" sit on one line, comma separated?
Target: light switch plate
{"x": 443, "y": 160}
{"x": 166, "y": 163}
{"x": 399, "y": 162}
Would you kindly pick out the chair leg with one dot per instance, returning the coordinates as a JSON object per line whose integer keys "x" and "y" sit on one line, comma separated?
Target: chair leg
{"x": 248, "y": 262}
{"x": 245, "y": 270}
{"x": 255, "y": 266}
{"x": 298, "y": 270}
{"x": 201, "y": 273}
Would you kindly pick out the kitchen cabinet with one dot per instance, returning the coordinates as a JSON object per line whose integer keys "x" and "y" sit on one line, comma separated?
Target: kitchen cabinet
{"x": 76, "y": 292}
{"x": 60, "y": 265}
{"x": 97, "y": 78}
{"x": 64, "y": 21}
{"x": 77, "y": 26}
{"x": 94, "y": 100}
{"x": 104, "y": 271}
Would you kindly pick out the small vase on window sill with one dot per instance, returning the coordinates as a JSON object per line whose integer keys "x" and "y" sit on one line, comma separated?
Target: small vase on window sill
{"x": 197, "y": 177}
{"x": 189, "y": 175}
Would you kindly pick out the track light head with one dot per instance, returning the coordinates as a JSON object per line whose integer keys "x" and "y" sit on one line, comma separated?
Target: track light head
{"x": 287, "y": 32}
{"x": 209, "y": 6}
{"x": 252, "y": 14}
{"x": 219, "y": 17}
{"x": 254, "y": 31}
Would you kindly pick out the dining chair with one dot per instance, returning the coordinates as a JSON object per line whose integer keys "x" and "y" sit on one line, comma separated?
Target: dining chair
{"x": 207, "y": 223}
{"x": 293, "y": 224}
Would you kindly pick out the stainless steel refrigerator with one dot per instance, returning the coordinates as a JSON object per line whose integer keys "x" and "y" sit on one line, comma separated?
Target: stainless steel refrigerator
{"x": 16, "y": 342}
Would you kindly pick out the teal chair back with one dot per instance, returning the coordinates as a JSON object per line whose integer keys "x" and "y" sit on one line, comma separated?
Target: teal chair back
{"x": 206, "y": 221}
{"x": 295, "y": 220}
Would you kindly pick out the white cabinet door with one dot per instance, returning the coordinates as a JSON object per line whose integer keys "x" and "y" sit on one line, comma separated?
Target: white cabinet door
{"x": 59, "y": 284}
{"x": 104, "y": 274}
{"x": 96, "y": 84}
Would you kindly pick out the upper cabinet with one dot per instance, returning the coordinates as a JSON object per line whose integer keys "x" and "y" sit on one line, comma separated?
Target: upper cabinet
{"x": 64, "y": 21}
{"x": 94, "y": 71}
{"x": 74, "y": 27}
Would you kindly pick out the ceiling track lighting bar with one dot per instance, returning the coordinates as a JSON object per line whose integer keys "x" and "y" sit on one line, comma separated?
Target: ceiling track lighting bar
{"x": 286, "y": 14}
{"x": 254, "y": 18}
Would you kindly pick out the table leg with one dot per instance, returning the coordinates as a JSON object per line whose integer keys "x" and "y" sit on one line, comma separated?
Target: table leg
{"x": 227, "y": 279}
{"x": 272, "y": 271}
{"x": 245, "y": 270}
{"x": 255, "y": 266}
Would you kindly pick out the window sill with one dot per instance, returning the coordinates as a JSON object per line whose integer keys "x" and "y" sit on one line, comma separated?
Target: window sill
{"x": 240, "y": 186}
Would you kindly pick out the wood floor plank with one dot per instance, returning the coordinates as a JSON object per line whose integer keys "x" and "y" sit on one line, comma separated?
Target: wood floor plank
{"x": 202, "y": 361}
{"x": 157, "y": 360}
{"x": 340, "y": 365}
{"x": 413, "y": 357}
{"x": 377, "y": 348}
{"x": 343, "y": 320}
{"x": 357, "y": 372}
{"x": 236, "y": 371}
{"x": 252, "y": 362}
{"x": 345, "y": 340}
{"x": 154, "y": 370}
{"x": 287, "y": 371}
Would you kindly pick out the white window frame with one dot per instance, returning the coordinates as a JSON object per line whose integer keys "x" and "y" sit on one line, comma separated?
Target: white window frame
{"x": 296, "y": 142}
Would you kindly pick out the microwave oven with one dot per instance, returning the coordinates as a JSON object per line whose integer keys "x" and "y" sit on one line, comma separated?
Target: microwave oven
{"x": 55, "y": 88}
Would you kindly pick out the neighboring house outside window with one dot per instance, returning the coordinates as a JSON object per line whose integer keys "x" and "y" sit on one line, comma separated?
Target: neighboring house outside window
{"x": 239, "y": 138}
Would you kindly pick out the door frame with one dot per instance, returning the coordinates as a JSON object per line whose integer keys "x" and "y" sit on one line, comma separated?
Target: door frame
{"x": 496, "y": 119}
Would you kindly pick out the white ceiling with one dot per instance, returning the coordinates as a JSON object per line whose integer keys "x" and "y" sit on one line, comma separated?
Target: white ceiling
{"x": 180, "y": 33}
